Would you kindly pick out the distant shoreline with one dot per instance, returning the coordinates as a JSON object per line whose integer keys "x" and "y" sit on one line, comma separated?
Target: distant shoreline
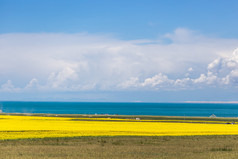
{"x": 235, "y": 102}
{"x": 215, "y": 102}
{"x": 121, "y": 116}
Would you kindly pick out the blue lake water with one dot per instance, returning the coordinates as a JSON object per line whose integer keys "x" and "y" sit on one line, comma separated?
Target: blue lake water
{"x": 164, "y": 109}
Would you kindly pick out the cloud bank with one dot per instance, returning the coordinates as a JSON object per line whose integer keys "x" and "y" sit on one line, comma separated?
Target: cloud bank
{"x": 183, "y": 59}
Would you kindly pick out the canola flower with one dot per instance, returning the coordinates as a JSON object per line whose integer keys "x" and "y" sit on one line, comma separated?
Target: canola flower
{"x": 20, "y": 127}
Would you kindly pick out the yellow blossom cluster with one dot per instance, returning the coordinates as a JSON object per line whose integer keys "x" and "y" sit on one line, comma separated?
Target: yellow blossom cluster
{"x": 20, "y": 127}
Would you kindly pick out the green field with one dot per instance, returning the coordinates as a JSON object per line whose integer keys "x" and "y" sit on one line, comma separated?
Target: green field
{"x": 142, "y": 117}
{"x": 187, "y": 147}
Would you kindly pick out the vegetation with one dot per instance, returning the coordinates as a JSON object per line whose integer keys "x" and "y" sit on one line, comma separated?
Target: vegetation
{"x": 142, "y": 117}
{"x": 162, "y": 147}
{"x": 25, "y": 136}
{"x": 20, "y": 127}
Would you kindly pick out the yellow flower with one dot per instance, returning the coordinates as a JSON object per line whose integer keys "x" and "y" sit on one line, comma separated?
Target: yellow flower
{"x": 19, "y": 127}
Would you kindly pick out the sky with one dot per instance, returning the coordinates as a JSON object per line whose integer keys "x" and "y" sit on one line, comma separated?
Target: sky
{"x": 118, "y": 51}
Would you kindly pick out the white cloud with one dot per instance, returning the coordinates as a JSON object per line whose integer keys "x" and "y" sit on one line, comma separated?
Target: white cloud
{"x": 205, "y": 79}
{"x": 183, "y": 83}
{"x": 225, "y": 69}
{"x": 33, "y": 84}
{"x": 182, "y": 35}
{"x": 132, "y": 82}
{"x": 157, "y": 80}
{"x": 221, "y": 72}
{"x": 59, "y": 79}
{"x": 74, "y": 62}
{"x": 190, "y": 69}
{"x": 9, "y": 87}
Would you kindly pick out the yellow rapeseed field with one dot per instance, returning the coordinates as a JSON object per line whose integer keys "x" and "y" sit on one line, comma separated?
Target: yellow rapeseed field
{"x": 19, "y": 127}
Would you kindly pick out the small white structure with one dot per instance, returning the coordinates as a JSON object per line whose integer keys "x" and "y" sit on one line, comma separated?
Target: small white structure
{"x": 137, "y": 118}
{"x": 213, "y": 116}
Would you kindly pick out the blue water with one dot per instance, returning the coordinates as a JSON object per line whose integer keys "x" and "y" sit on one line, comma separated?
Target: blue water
{"x": 165, "y": 109}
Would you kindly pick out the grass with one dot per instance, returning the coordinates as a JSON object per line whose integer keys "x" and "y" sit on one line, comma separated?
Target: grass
{"x": 179, "y": 147}
{"x": 142, "y": 117}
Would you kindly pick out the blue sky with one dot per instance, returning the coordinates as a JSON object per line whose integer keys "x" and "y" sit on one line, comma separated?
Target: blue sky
{"x": 127, "y": 19}
{"x": 137, "y": 50}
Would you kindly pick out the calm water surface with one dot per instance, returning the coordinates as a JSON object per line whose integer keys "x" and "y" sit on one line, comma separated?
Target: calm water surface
{"x": 166, "y": 109}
